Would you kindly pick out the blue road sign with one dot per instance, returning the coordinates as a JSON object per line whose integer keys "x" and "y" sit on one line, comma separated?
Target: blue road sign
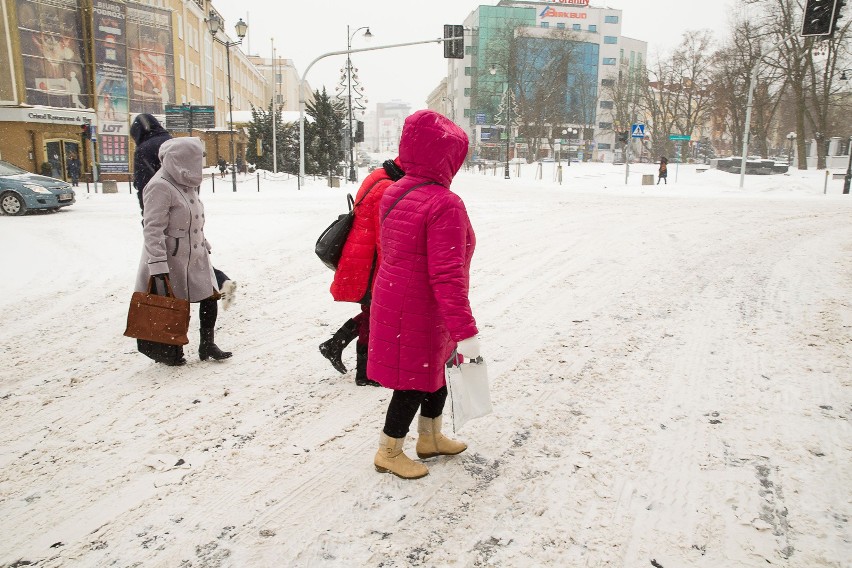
{"x": 637, "y": 131}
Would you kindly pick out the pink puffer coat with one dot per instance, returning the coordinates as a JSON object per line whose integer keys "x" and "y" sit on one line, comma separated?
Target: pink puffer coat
{"x": 420, "y": 296}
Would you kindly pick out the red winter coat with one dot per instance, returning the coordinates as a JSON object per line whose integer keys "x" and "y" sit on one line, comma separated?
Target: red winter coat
{"x": 352, "y": 277}
{"x": 420, "y": 305}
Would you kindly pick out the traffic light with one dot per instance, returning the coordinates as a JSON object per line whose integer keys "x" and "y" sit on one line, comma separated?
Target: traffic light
{"x": 819, "y": 18}
{"x": 453, "y": 48}
{"x": 85, "y": 130}
{"x": 359, "y": 131}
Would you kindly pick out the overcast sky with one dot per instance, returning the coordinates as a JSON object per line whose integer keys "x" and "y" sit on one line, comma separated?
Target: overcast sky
{"x": 304, "y": 30}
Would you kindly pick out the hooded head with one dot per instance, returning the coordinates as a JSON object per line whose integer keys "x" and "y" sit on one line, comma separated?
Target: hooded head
{"x": 145, "y": 126}
{"x": 183, "y": 160}
{"x": 432, "y": 147}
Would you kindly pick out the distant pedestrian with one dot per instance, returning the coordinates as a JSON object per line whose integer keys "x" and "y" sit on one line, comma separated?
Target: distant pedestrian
{"x": 663, "y": 174}
{"x": 223, "y": 165}
{"x": 73, "y": 167}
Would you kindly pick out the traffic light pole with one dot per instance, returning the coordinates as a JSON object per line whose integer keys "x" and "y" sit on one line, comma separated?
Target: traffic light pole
{"x": 346, "y": 52}
{"x": 750, "y": 104}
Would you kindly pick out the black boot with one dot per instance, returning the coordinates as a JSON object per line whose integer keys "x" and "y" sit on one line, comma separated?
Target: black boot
{"x": 174, "y": 358}
{"x": 361, "y": 369}
{"x": 208, "y": 348}
{"x": 333, "y": 348}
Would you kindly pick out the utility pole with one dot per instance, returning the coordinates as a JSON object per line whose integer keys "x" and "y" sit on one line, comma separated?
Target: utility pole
{"x": 274, "y": 111}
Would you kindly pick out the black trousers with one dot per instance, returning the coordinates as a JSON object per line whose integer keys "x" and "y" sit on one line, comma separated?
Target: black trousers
{"x": 404, "y": 404}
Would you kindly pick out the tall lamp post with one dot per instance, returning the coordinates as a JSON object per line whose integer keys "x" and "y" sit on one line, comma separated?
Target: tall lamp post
{"x": 573, "y": 132}
{"x": 367, "y": 35}
{"x": 790, "y": 138}
{"x": 214, "y": 24}
{"x": 493, "y": 71}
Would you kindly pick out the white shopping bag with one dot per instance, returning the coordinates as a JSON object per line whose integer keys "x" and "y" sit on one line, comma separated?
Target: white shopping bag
{"x": 470, "y": 396}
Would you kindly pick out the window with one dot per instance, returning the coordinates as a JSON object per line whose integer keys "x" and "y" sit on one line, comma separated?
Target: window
{"x": 593, "y": 28}
{"x": 545, "y": 24}
{"x": 560, "y": 25}
{"x": 602, "y": 146}
{"x": 279, "y": 99}
{"x": 612, "y": 40}
{"x": 609, "y": 60}
{"x": 180, "y": 26}
{"x": 181, "y": 67}
{"x": 607, "y": 82}
{"x": 467, "y": 72}
{"x": 467, "y": 91}
{"x": 470, "y": 50}
{"x": 610, "y": 19}
{"x": 606, "y": 104}
{"x": 467, "y": 113}
{"x": 605, "y": 126}
{"x": 576, "y": 27}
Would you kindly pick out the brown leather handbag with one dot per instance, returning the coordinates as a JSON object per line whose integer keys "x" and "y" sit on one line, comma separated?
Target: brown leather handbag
{"x": 163, "y": 319}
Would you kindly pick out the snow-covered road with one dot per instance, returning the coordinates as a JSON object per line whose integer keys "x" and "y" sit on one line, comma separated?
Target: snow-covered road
{"x": 671, "y": 382}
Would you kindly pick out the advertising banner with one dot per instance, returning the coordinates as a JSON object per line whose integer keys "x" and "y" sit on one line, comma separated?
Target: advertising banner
{"x": 52, "y": 52}
{"x": 110, "y": 34}
{"x": 150, "y": 58}
{"x": 7, "y": 78}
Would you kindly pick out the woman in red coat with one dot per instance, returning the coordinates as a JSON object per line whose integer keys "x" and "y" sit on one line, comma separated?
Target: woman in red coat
{"x": 421, "y": 312}
{"x": 359, "y": 262}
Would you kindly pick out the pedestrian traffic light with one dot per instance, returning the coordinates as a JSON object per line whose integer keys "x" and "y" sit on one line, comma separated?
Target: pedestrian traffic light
{"x": 359, "y": 131}
{"x": 819, "y": 17}
{"x": 85, "y": 130}
{"x": 453, "y": 41}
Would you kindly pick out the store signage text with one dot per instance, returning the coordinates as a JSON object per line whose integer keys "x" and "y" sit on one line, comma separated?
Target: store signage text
{"x": 554, "y": 13}
{"x": 53, "y": 117}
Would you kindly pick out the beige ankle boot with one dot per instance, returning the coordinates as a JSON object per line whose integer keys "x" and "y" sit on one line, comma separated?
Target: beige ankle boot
{"x": 432, "y": 443}
{"x": 391, "y": 459}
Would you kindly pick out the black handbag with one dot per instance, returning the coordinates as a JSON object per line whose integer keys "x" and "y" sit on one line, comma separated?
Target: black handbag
{"x": 330, "y": 243}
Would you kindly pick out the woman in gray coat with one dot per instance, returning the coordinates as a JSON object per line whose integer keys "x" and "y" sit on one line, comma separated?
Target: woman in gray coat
{"x": 173, "y": 228}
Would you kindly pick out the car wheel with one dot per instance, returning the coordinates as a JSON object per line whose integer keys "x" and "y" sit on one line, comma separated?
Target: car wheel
{"x": 12, "y": 204}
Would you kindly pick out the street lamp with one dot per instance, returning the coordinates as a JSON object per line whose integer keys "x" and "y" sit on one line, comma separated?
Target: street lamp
{"x": 493, "y": 71}
{"x": 214, "y": 24}
{"x": 790, "y": 138}
{"x": 573, "y": 133}
{"x": 367, "y": 35}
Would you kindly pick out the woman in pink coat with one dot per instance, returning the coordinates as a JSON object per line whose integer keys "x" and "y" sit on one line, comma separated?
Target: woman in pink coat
{"x": 421, "y": 313}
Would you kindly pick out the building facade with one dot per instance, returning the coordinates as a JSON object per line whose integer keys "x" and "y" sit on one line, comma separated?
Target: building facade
{"x": 69, "y": 64}
{"x": 517, "y": 48}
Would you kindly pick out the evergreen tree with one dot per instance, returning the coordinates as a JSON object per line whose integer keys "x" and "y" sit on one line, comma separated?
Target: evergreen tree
{"x": 324, "y": 136}
{"x": 260, "y": 129}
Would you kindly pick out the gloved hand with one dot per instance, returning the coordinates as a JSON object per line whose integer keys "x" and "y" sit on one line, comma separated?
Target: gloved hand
{"x": 469, "y": 348}
{"x": 160, "y": 288}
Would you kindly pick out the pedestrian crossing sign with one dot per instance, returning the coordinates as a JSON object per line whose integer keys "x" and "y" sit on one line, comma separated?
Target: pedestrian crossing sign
{"x": 637, "y": 131}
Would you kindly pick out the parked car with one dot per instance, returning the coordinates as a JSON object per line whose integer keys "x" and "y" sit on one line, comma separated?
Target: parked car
{"x": 21, "y": 191}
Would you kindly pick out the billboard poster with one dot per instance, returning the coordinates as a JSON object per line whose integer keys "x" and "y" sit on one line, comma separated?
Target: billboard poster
{"x": 7, "y": 78}
{"x": 109, "y": 30}
{"x": 52, "y": 52}
{"x": 150, "y": 58}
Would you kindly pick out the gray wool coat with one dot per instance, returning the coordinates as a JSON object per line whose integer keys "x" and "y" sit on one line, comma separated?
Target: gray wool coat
{"x": 173, "y": 224}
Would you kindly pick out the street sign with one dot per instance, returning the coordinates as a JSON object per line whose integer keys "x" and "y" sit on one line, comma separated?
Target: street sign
{"x": 679, "y": 137}
{"x": 480, "y": 118}
{"x": 637, "y": 131}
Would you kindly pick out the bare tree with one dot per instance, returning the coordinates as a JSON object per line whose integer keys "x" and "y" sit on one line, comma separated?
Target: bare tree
{"x": 733, "y": 64}
{"x": 824, "y": 90}
{"x": 535, "y": 64}
{"x": 678, "y": 98}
